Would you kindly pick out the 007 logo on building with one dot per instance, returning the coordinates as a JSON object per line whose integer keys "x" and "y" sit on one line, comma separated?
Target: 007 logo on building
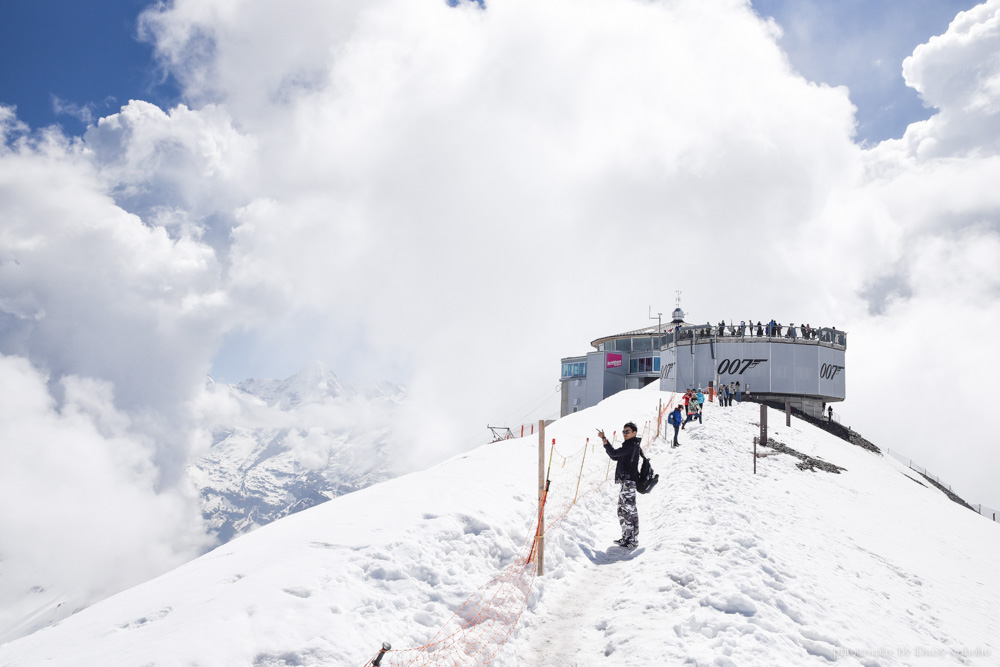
{"x": 738, "y": 366}
{"x": 829, "y": 371}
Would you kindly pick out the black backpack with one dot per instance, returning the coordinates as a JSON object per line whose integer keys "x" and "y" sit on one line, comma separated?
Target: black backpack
{"x": 647, "y": 478}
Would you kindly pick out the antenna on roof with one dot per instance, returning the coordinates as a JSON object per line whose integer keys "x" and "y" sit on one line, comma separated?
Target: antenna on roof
{"x": 678, "y": 314}
{"x": 659, "y": 317}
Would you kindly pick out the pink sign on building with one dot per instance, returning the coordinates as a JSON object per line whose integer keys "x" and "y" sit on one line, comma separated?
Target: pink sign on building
{"x": 613, "y": 361}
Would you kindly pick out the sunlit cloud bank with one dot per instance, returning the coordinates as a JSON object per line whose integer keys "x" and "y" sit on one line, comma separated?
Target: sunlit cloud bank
{"x": 80, "y": 512}
{"x": 478, "y": 192}
{"x": 936, "y": 289}
{"x": 455, "y": 197}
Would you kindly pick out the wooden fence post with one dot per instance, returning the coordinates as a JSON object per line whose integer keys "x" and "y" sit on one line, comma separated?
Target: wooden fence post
{"x": 540, "y": 562}
{"x": 578, "y": 479}
{"x": 763, "y": 435}
{"x": 763, "y": 424}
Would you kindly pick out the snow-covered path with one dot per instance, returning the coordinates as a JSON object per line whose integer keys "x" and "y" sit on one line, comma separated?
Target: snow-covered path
{"x": 785, "y": 567}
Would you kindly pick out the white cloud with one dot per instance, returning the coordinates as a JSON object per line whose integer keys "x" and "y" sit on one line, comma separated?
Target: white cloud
{"x": 88, "y": 289}
{"x": 486, "y": 181}
{"x": 958, "y": 73}
{"x": 85, "y": 113}
{"x": 934, "y": 195}
{"x": 10, "y": 126}
{"x": 177, "y": 168}
{"x": 80, "y": 513}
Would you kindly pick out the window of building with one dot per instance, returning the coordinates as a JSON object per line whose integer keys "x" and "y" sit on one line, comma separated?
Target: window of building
{"x": 577, "y": 369}
{"x": 644, "y": 365}
{"x": 642, "y": 344}
{"x": 623, "y": 345}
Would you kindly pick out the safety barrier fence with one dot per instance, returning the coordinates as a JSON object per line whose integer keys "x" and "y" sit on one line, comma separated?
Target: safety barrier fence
{"x": 988, "y": 512}
{"x": 480, "y": 627}
{"x": 914, "y": 467}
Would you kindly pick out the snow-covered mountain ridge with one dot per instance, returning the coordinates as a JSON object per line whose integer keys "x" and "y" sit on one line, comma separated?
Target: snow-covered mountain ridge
{"x": 269, "y": 448}
{"x": 783, "y": 567}
{"x": 281, "y": 446}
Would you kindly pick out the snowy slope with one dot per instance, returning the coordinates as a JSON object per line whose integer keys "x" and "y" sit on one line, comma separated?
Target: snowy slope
{"x": 786, "y": 567}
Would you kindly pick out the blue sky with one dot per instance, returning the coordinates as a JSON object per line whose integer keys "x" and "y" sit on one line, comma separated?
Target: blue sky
{"x": 862, "y": 44}
{"x": 87, "y": 56}
{"x": 84, "y": 53}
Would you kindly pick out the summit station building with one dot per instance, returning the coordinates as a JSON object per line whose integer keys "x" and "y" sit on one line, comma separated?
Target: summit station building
{"x": 804, "y": 366}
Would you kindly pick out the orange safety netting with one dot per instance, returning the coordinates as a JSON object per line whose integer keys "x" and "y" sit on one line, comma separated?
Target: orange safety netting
{"x": 485, "y": 621}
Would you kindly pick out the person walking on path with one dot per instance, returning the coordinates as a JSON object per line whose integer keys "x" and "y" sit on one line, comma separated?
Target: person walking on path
{"x": 675, "y": 419}
{"x": 732, "y": 394}
{"x": 688, "y": 400}
{"x": 626, "y": 474}
{"x": 701, "y": 403}
{"x": 694, "y": 411}
{"x": 739, "y": 394}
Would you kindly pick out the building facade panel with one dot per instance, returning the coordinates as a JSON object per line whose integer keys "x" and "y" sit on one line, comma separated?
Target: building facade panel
{"x": 832, "y": 373}
{"x": 744, "y": 362}
{"x": 614, "y": 367}
{"x": 771, "y": 367}
{"x": 668, "y": 369}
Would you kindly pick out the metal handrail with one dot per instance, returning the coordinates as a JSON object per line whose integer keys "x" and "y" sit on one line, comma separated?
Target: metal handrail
{"x": 714, "y": 337}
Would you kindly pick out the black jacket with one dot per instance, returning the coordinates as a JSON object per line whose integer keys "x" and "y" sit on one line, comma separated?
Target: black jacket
{"x": 628, "y": 459}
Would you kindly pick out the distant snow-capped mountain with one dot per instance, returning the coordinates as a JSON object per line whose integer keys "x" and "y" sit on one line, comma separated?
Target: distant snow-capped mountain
{"x": 270, "y": 448}
{"x": 281, "y": 446}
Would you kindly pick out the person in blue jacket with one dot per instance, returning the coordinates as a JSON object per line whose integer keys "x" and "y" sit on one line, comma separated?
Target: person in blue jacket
{"x": 676, "y": 418}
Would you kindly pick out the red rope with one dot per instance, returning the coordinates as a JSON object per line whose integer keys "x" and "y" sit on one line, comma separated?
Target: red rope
{"x": 481, "y": 625}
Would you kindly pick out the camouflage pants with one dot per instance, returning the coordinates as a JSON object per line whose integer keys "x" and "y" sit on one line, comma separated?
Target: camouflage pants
{"x": 628, "y": 515}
